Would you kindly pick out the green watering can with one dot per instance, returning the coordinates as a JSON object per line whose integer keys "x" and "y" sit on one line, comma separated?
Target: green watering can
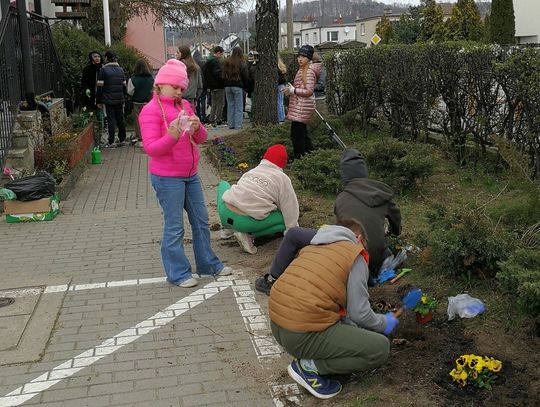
{"x": 96, "y": 156}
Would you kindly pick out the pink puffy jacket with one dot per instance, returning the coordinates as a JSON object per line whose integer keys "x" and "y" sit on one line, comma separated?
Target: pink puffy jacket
{"x": 302, "y": 103}
{"x": 169, "y": 157}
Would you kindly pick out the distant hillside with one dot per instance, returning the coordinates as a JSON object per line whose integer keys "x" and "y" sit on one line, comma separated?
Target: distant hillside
{"x": 330, "y": 10}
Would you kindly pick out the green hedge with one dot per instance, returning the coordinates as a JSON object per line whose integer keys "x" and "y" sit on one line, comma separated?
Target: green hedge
{"x": 467, "y": 90}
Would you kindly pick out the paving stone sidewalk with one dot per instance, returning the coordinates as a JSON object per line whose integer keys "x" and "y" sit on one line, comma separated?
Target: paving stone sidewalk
{"x": 105, "y": 327}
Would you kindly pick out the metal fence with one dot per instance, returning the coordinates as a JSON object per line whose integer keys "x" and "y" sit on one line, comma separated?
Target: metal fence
{"x": 46, "y": 69}
{"x": 10, "y": 78}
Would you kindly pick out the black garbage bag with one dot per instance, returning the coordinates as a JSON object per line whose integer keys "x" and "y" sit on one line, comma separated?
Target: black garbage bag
{"x": 41, "y": 185}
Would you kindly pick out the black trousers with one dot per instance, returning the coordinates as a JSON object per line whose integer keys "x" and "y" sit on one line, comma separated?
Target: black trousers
{"x": 300, "y": 139}
{"x": 115, "y": 117}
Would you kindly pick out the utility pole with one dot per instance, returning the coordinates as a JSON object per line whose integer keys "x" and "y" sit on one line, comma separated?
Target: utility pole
{"x": 290, "y": 32}
{"x": 106, "y": 23}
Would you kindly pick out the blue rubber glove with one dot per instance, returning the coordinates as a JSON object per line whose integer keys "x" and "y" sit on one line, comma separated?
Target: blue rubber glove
{"x": 391, "y": 323}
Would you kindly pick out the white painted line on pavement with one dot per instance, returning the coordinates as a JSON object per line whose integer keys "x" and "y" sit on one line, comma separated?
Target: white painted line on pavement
{"x": 51, "y": 289}
{"x": 89, "y": 357}
{"x": 266, "y": 347}
{"x": 21, "y": 292}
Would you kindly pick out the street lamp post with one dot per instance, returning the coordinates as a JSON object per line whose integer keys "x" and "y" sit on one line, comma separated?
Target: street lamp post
{"x": 106, "y": 23}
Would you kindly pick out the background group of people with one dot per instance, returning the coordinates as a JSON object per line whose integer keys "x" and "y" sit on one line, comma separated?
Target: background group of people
{"x": 219, "y": 82}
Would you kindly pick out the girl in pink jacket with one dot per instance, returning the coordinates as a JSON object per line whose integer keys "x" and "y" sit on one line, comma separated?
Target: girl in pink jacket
{"x": 171, "y": 132}
{"x": 302, "y": 102}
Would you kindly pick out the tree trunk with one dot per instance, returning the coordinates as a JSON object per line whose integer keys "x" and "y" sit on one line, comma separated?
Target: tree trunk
{"x": 264, "y": 109}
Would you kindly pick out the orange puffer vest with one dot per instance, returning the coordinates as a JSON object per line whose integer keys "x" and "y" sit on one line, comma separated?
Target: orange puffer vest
{"x": 307, "y": 297}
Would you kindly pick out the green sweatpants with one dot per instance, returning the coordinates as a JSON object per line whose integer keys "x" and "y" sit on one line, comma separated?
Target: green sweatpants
{"x": 273, "y": 223}
{"x": 341, "y": 349}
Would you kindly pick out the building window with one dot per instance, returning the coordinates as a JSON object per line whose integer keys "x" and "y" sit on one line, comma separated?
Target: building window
{"x": 307, "y": 38}
{"x": 314, "y": 38}
{"x": 332, "y": 36}
{"x": 362, "y": 29}
{"x": 297, "y": 42}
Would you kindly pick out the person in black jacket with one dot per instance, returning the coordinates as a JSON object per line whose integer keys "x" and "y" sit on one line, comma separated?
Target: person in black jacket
{"x": 364, "y": 199}
{"x": 111, "y": 91}
{"x": 214, "y": 83}
{"x": 89, "y": 79}
{"x": 88, "y": 87}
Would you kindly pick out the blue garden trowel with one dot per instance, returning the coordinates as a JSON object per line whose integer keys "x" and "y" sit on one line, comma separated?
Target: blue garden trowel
{"x": 409, "y": 301}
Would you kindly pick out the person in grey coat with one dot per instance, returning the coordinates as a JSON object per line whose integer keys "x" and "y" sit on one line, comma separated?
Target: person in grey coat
{"x": 369, "y": 201}
{"x": 364, "y": 199}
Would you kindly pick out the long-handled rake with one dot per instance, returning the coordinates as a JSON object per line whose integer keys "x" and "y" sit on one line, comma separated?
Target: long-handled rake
{"x": 331, "y": 132}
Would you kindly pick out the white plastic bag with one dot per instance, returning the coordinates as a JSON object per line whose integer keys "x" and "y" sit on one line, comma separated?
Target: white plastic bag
{"x": 465, "y": 306}
{"x": 392, "y": 262}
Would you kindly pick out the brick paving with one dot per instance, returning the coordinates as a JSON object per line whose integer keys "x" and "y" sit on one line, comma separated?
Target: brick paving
{"x": 216, "y": 353}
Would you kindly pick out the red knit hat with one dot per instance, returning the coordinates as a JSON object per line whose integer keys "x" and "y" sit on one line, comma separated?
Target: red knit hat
{"x": 276, "y": 154}
{"x": 173, "y": 73}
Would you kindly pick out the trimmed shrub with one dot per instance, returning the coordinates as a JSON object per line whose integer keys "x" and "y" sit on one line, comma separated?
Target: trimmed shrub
{"x": 264, "y": 137}
{"x": 465, "y": 243}
{"x": 520, "y": 276}
{"x": 319, "y": 171}
{"x": 400, "y": 164}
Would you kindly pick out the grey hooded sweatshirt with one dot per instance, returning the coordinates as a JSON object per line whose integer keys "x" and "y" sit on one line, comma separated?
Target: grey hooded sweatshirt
{"x": 358, "y": 308}
{"x": 370, "y": 202}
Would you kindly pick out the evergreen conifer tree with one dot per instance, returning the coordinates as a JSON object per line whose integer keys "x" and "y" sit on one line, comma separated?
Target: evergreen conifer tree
{"x": 432, "y": 21}
{"x": 502, "y": 22}
{"x": 465, "y": 22}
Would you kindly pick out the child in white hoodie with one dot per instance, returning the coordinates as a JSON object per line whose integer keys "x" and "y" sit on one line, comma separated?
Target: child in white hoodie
{"x": 262, "y": 202}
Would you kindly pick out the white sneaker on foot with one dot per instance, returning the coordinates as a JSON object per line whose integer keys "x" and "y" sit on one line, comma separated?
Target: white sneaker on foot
{"x": 245, "y": 240}
{"x": 225, "y": 234}
{"x": 225, "y": 271}
{"x": 190, "y": 282}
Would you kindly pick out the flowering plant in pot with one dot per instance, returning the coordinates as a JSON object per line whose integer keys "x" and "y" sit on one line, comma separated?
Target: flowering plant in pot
{"x": 476, "y": 371}
{"x": 424, "y": 309}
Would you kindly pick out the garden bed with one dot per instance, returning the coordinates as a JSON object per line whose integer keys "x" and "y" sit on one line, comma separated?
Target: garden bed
{"x": 422, "y": 356}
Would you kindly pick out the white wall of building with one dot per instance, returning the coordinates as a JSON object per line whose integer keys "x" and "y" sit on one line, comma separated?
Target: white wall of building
{"x": 366, "y": 27}
{"x": 527, "y": 13}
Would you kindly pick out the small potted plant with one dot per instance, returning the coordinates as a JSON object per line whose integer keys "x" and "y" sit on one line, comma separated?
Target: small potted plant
{"x": 424, "y": 309}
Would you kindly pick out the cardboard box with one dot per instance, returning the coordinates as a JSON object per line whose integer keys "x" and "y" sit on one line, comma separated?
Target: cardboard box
{"x": 38, "y": 210}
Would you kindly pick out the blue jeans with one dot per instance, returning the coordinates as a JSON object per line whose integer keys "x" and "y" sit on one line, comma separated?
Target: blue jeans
{"x": 174, "y": 195}
{"x": 235, "y": 106}
{"x": 280, "y": 105}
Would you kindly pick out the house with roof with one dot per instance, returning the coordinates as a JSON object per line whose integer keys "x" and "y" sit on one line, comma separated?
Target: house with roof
{"x": 526, "y": 13}
{"x": 229, "y": 42}
{"x": 367, "y": 27}
{"x": 337, "y": 33}
{"x": 310, "y": 32}
{"x": 298, "y": 26}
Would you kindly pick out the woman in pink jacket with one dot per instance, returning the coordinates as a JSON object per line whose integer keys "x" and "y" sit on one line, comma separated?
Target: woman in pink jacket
{"x": 302, "y": 102}
{"x": 171, "y": 132}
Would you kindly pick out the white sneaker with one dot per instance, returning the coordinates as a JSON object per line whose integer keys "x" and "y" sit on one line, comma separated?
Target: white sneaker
{"x": 225, "y": 271}
{"x": 225, "y": 234}
{"x": 245, "y": 240}
{"x": 190, "y": 282}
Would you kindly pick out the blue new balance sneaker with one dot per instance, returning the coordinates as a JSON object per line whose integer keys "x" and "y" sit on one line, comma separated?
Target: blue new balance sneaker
{"x": 321, "y": 387}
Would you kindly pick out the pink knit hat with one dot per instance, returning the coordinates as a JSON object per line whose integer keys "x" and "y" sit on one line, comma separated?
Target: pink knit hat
{"x": 172, "y": 73}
